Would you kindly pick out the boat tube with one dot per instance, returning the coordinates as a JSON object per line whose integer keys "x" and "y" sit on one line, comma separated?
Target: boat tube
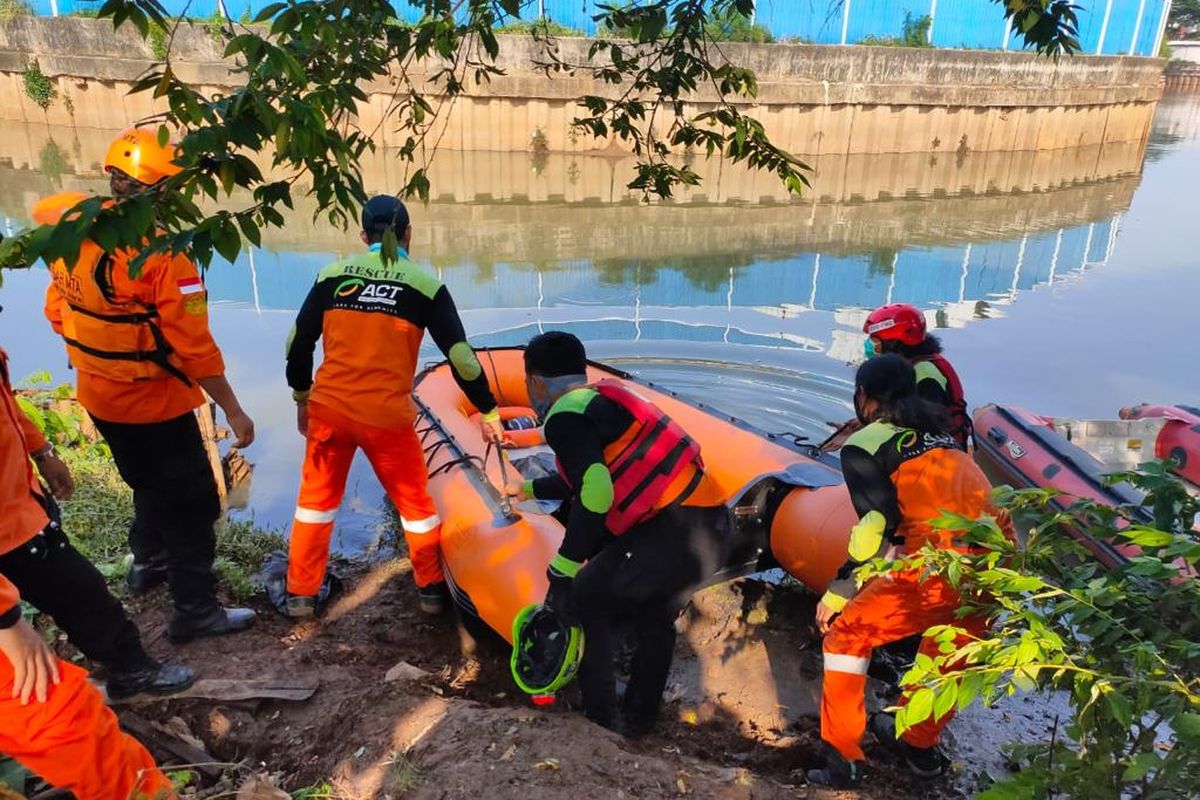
{"x": 1178, "y": 439}
{"x": 1027, "y": 451}
{"x": 788, "y": 504}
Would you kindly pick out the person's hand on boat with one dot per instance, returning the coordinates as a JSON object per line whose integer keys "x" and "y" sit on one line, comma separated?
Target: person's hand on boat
{"x": 825, "y": 616}
{"x": 838, "y": 438}
{"x": 515, "y": 489}
{"x": 493, "y": 431}
{"x": 302, "y": 418}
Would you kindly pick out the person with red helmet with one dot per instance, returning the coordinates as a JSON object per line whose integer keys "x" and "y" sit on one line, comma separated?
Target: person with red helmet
{"x": 900, "y": 328}
{"x": 888, "y": 464}
{"x": 140, "y": 344}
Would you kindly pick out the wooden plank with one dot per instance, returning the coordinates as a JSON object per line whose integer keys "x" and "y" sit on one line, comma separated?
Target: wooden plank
{"x": 232, "y": 691}
{"x": 206, "y": 415}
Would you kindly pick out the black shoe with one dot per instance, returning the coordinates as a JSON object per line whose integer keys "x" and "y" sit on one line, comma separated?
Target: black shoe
{"x": 636, "y": 719}
{"x": 142, "y": 578}
{"x": 635, "y": 726}
{"x": 154, "y": 678}
{"x": 220, "y": 622}
{"x": 838, "y": 773}
{"x": 925, "y": 762}
{"x": 434, "y": 598}
{"x": 301, "y": 607}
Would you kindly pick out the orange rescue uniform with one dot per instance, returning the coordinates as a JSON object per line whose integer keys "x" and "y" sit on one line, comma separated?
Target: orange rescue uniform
{"x": 371, "y": 317}
{"x": 899, "y": 479}
{"x": 138, "y": 344}
{"x": 71, "y": 740}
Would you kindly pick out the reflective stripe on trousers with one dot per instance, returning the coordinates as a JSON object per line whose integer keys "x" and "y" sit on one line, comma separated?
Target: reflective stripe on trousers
{"x": 886, "y": 610}
{"x": 419, "y": 526}
{"x": 314, "y": 515}
{"x": 398, "y": 462}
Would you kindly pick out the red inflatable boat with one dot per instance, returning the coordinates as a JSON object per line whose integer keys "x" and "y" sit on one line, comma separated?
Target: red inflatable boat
{"x": 1072, "y": 456}
{"x": 1179, "y": 438}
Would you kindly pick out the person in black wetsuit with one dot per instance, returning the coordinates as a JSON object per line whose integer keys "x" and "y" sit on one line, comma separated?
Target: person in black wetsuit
{"x": 644, "y": 524}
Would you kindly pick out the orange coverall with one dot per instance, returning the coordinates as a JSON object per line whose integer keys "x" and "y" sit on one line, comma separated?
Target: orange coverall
{"x": 371, "y": 318}
{"x": 71, "y": 740}
{"x": 899, "y": 479}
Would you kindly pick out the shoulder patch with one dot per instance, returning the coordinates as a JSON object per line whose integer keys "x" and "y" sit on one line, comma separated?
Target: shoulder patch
{"x": 873, "y": 436}
{"x": 928, "y": 371}
{"x": 575, "y": 401}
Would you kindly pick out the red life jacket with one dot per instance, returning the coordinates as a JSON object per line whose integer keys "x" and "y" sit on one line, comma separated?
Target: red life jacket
{"x": 645, "y": 460}
{"x": 960, "y": 420}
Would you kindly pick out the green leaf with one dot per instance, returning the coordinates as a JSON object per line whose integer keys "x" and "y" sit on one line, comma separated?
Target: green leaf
{"x": 269, "y": 11}
{"x": 1187, "y": 726}
{"x": 1149, "y": 537}
{"x": 968, "y": 689}
{"x": 1024, "y": 679}
{"x": 947, "y": 696}
{"x": 920, "y": 706}
{"x": 227, "y": 241}
{"x": 1141, "y": 765}
{"x": 1119, "y": 706}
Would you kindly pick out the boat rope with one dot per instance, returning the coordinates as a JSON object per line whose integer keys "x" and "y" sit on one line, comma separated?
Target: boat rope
{"x": 466, "y": 461}
{"x": 432, "y": 450}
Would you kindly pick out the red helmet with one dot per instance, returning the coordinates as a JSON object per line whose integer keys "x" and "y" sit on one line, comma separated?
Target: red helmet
{"x": 898, "y": 322}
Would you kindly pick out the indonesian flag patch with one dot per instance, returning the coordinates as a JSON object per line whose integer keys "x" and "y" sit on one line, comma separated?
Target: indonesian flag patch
{"x": 190, "y": 286}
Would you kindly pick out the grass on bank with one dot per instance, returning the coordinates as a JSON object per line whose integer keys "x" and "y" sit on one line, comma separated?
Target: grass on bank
{"x": 97, "y": 518}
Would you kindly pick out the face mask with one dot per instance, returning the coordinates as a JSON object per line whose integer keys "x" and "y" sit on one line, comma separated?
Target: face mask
{"x": 869, "y": 348}
{"x": 551, "y": 390}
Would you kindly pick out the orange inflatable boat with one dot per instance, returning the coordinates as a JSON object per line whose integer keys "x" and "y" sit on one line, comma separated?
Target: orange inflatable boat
{"x": 789, "y": 507}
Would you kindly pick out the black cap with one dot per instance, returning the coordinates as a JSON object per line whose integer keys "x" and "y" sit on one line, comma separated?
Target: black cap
{"x": 381, "y": 212}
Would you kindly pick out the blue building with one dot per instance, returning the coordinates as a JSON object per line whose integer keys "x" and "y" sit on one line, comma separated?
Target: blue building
{"x": 1106, "y": 27}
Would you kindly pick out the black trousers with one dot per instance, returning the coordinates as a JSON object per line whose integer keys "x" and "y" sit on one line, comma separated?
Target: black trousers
{"x": 57, "y": 580}
{"x": 648, "y": 575}
{"x": 176, "y": 502}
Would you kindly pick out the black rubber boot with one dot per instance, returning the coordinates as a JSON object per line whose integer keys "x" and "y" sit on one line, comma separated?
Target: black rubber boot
{"x": 143, "y": 578}
{"x": 925, "y": 762}
{"x": 154, "y": 678}
{"x": 434, "y": 598}
{"x": 301, "y": 606}
{"x": 219, "y": 622}
{"x": 838, "y": 773}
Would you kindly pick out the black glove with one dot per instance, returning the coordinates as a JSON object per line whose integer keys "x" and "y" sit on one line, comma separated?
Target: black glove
{"x": 558, "y": 597}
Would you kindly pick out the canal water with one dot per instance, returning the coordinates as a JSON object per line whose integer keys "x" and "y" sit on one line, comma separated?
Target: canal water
{"x": 1066, "y": 282}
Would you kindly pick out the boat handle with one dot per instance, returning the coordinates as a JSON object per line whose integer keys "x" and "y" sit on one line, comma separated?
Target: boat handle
{"x": 997, "y": 435}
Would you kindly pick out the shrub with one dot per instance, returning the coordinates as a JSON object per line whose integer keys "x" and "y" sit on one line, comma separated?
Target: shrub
{"x": 914, "y": 33}
{"x": 539, "y": 28}
{"x": 38, "y": 87}
{"x": 1122, "y": 645}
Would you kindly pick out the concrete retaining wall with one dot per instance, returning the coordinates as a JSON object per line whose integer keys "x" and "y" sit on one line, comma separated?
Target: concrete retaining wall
{"x": 814, "y": 99}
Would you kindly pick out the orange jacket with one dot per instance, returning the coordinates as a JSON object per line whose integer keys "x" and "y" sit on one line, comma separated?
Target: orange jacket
{"x": 371, "y": 318}
{"x": 139, "y": 343}
{"x": 899, "y": 480}
{"x": 21, "y": 515}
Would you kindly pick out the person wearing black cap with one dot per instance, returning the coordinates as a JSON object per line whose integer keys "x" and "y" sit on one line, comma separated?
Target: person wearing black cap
{"x": 372, "y": 315}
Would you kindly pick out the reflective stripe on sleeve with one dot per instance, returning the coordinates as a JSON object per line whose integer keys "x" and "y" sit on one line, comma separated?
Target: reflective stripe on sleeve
{"x": 852, "y": 665}
{"x": 315, "y": 515}
{"x": 420, "y": 525}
